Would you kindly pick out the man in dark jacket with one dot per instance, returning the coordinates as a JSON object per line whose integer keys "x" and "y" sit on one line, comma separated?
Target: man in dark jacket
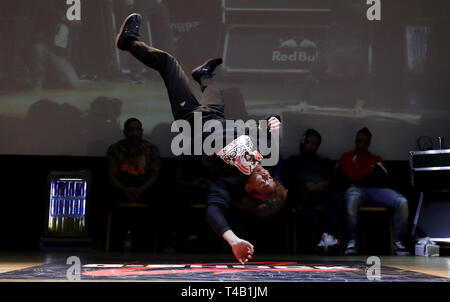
{"x": 311, "y": 185}
{"x": 236, "y": 169}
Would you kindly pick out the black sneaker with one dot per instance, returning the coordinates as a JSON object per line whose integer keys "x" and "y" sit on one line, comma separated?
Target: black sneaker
{"x": 129, "y": 29}
{"x": 206, "y": 68}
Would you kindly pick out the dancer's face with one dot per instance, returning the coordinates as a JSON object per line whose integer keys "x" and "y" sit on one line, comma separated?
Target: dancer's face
{"x": 260, "y": 182}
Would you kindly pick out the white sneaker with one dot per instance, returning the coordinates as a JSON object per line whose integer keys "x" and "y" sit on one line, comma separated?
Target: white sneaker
{"x": 400, "y": 249}
{"x": 321, "y": 243}
{"x": 351, "y": 248}
{"x": 327, "y": 241}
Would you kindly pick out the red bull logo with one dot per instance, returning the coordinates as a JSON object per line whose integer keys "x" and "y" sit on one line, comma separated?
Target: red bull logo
{"x": 301, "y": 51}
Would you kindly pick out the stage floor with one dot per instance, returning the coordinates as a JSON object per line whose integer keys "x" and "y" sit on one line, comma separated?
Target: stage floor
{"x": 105, "y": 267}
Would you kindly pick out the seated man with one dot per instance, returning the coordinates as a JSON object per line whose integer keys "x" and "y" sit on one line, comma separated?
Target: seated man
{"x": 133, "y": 170}
{"x": 310, "y": 185}
{"x": 233, "y": 175}
{"x": 366, "y": 178}
{"x": 133, "y": 164}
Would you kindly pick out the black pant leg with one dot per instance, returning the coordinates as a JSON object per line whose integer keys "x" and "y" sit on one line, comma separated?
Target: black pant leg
{"x": 181, "y": 98}
{"x": 335, "y": 207}
{"x": 307, "y": 200}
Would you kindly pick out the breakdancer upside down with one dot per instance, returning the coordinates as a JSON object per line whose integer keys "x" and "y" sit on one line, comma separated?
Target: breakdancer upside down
{"x": 236, "y": 176}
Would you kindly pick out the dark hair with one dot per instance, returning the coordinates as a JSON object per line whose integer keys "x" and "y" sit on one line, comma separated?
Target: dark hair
{"x": 129, "y": 121}
{"x": 308, "y": 133}
{"x": 265, "y": 207}
{"x": 365, "y": 131}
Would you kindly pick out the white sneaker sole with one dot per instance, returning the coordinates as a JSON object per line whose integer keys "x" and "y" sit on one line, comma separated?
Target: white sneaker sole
{"x": 402, "y": 253}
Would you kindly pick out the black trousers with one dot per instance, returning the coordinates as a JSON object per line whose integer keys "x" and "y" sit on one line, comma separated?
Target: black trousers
{"x": 182, "y": 101}
{"x": 334, "y": 206}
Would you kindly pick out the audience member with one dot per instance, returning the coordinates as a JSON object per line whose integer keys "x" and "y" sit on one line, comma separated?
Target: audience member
{"x": 367, "y": 180}
{"x": 311, "y": 184}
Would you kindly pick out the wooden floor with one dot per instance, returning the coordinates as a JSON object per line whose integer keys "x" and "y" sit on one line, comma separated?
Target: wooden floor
{"x": 434, "y": 266}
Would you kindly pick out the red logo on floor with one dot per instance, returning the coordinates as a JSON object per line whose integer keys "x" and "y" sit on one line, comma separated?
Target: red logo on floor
{"x": 111, "y": 270}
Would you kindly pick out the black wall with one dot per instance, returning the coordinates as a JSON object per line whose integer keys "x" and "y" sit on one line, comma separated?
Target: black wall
{"x": 25, "y": 195}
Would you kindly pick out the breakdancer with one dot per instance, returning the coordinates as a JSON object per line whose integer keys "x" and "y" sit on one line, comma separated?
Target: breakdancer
{"x": 237, "y": 174}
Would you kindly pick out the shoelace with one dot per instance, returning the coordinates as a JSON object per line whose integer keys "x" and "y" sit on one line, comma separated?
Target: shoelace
{"x": 399, "y": 245}
{"x": 331, "y": 240}
{"x": 351, "y": 244}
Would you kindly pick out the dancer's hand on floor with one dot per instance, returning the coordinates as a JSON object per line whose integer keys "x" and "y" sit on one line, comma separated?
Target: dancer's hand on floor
{"x": 242, "y": 250}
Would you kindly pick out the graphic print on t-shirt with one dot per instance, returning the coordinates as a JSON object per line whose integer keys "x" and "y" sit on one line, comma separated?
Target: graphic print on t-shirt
{"x": 240, "y": 153}
{"x": 134, "y": 166}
